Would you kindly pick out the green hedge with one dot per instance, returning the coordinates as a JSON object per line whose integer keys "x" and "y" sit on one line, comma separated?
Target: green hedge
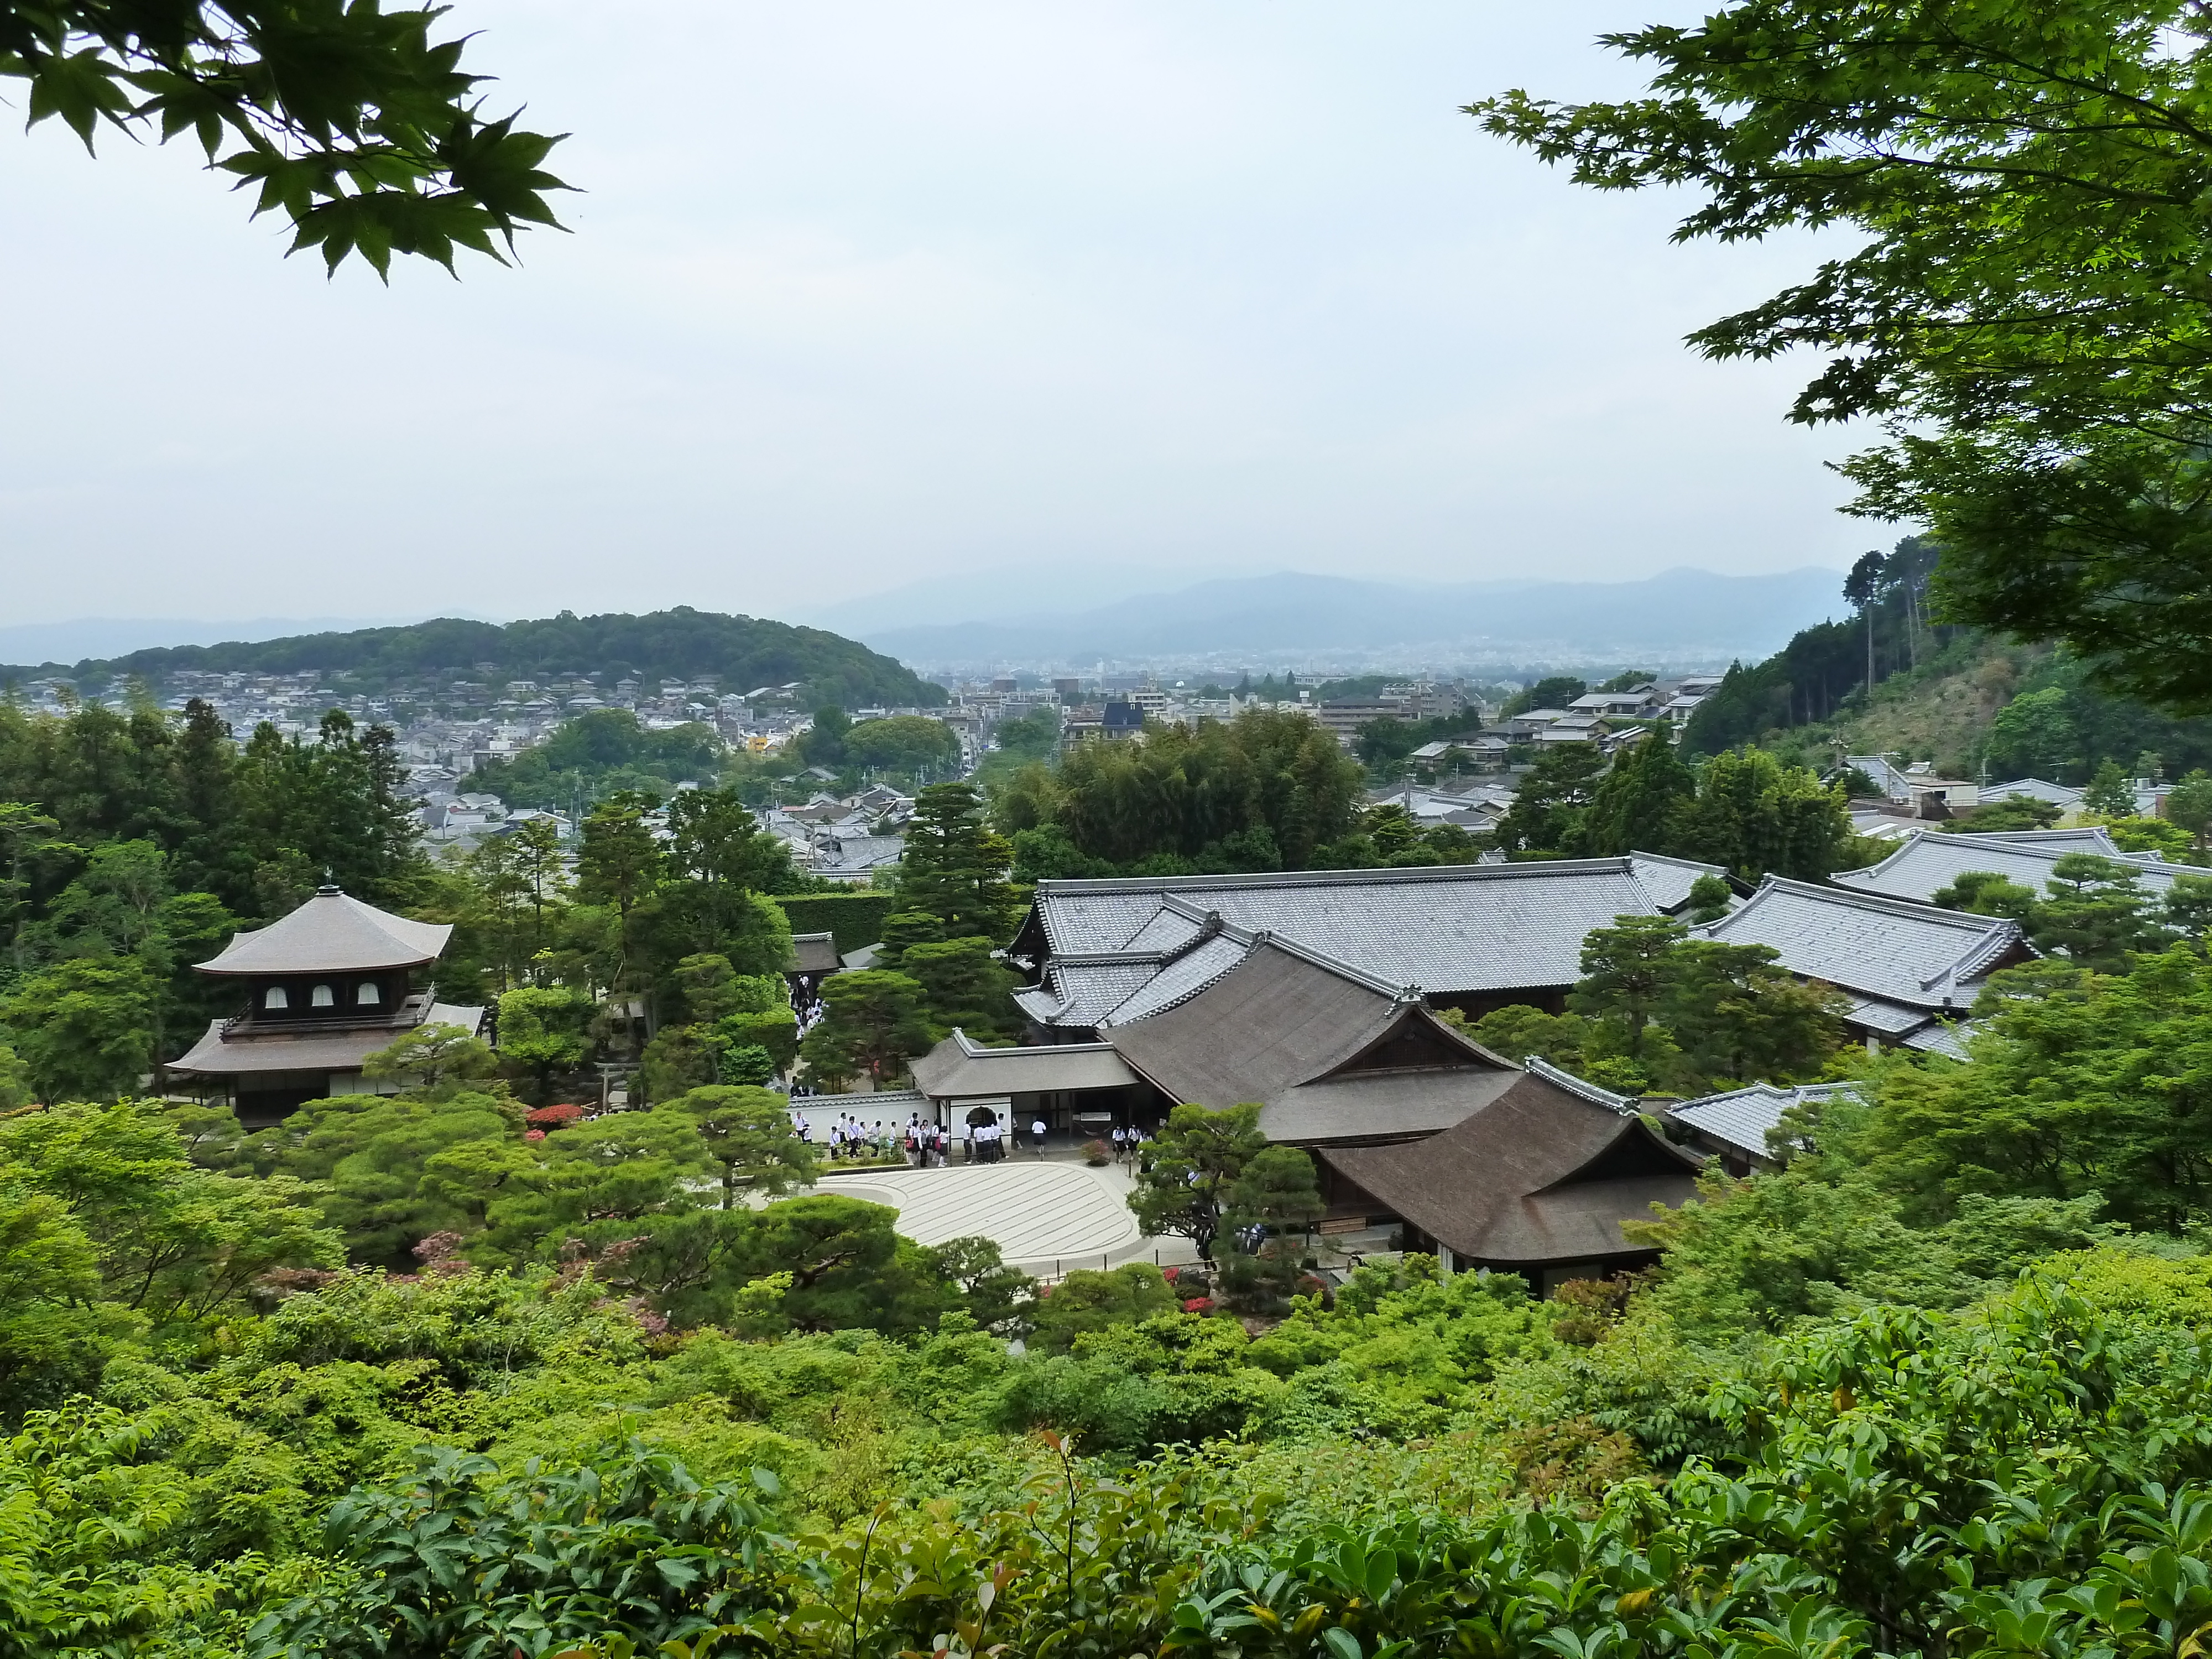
{"x": 854, "y": 919}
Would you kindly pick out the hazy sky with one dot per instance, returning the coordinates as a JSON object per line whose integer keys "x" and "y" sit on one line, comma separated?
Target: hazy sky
{"x": 860, "y": 292}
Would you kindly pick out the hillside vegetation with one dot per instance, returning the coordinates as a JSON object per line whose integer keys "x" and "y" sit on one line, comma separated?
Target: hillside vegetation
{"x": 739, "y": 653}
{"x": 1961, "y": 697}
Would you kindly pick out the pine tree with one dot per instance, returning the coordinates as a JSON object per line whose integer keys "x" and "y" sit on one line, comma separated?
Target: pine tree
{"x": 955, "y": 866}
{"x": 2108, "y": 794}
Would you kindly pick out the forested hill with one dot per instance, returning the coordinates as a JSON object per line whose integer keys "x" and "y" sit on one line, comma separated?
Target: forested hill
{"x": 1958, "y": 696}
{"x": 740, "y": 652}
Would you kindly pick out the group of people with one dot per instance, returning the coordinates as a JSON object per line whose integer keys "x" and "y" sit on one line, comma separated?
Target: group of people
{"x": 927, "y": 1144}
{"x": 806, "y": 1003}
{"x": 848, "y": 1137}
{"x": 1132, "y": 1142}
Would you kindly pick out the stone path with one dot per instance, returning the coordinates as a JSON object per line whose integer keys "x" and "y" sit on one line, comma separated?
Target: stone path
{"x": 1047, "y": 1216}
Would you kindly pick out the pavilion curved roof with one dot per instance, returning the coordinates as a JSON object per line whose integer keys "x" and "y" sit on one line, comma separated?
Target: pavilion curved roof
{"x": 331, "y": 933}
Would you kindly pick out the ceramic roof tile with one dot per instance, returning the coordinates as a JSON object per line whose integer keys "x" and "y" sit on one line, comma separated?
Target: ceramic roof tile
{"x": 1930, "y": 860}
{"x": 1167, "y": 930}
{"x": 1887, "y": 949}
{"x": 1089, "y": 992}
{"x": 1447, "y": 928}
{"x": 1185, "y": 976}
{"x": 1742, "y": 1117}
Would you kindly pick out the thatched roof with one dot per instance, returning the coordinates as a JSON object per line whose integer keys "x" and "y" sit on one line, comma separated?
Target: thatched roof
{"x": 1538, "y": 1176}
{"x": 1328, "y": 1054}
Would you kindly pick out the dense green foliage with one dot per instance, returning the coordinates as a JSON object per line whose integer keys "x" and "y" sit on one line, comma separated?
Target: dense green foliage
{"x": 739, "y": 653}
{"x": 1744, "y": 810}
{"x": 1658, "y": 1011}
{"x": 1266, "y": 791}
{"x": 2094, "y": 911}
{"x": 598, "y": 754}
{"x": 852, "y": 919}
{"x": 427, "y": 1373}
{"x": 133, "y": 844}
{"x": 2020, "y": 307}
{"x": 363, "y": 131}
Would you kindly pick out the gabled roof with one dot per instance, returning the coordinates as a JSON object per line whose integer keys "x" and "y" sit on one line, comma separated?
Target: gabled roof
{"x": 1316, "y": 1047}
{"x": 1537, "y": 1176}
{"x": 2058, "y": 794}
{"x": 1742, "y": 1118}
{"x": 960, "y": 1068}
{"x": 814, "y": 953}
{"x": 1928, "y": 862}
{"x": 330, "y": 934}
{"x": 1446, "y": 929}
{"x": 1886, "y": 950}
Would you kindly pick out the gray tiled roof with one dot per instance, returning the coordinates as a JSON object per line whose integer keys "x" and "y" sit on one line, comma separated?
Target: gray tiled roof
{"x": 1741, "y": 1118}
{"x": 1930, "y": 860}
{"x": 1085, "y": 993}
{"x": 2057, "y": 794}
{"x": 1183, "y": 978}
{"x": 1169, "y": 929}
{"x": 332, "y": 932}
{"x": 1937, "y": 1038}
{"x": 1889, "y": 949}
{"x": 1873, "y": 1014}
{"x": 1447, "y": 929}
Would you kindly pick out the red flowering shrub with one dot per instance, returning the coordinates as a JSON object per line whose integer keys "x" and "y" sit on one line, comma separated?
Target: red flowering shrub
{"x": 554, "y": 1116}
{"x": 533, "y": 1134}
{"x": 1198, "y": 1304}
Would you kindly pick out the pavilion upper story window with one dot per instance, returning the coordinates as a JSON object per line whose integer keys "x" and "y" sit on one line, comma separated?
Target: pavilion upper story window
{"x": 322, "y": 997}
{"x": 274, "y": 997}
{"x": 368, "y": 995}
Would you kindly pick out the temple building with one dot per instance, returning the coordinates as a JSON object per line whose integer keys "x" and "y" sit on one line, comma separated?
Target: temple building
{"x": 320, "y": 992}
{"x": 1488, "y": 1162}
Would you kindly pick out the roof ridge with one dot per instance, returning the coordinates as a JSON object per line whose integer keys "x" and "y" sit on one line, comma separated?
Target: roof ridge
{"x": 1537, "y": 1066}
{"x": 1992, "y": 932}
{"x": 1235, "y": 936}
{"x": 1890, "y": 904}
{"x": 1167, "y": 886}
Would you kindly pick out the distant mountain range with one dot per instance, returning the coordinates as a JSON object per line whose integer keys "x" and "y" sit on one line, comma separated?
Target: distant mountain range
{"x": 1679, "y": 617}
